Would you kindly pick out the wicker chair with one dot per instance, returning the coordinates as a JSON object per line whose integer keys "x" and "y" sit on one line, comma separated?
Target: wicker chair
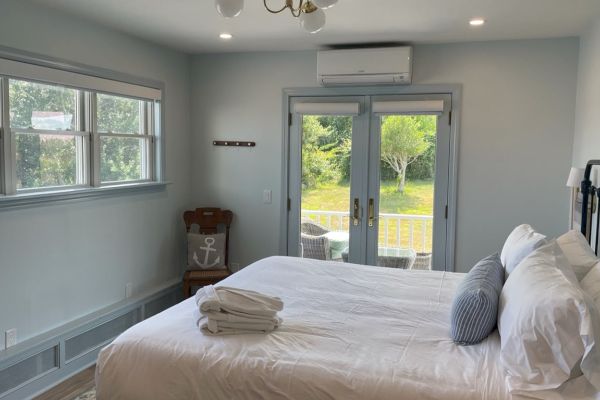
{"x": 310, "y": 227}
{"x": 422, "y": 262}
{"x": 315, "y": 247}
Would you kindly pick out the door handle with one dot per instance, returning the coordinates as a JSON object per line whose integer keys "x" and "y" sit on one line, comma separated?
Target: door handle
{"x": 371, "y": 212}
{"x": 356, "y": 212}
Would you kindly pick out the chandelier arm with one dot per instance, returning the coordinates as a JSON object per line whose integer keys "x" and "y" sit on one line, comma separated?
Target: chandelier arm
{"x": 275, "y": 11}
{"x": 296, "y": 12}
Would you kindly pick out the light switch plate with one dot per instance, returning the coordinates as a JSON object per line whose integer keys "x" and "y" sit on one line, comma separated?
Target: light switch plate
{"x": 267, "y": 196}
{"x": 10, "y": 338}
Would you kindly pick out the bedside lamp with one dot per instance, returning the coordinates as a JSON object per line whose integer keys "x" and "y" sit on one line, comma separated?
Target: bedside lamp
{"x": 575, "y": 178}
{"x": 574, "y": 182}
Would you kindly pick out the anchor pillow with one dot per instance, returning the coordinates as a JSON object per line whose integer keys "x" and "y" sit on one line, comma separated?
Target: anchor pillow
{"x": 206, "y": 252}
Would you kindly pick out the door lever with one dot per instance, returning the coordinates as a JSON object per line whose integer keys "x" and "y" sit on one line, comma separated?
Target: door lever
{"x": 356, "y": 212}
{"x": 371, "y": 212}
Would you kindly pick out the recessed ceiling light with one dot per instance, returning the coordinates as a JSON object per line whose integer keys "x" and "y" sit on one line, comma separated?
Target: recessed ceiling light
{"x": 477, "y": 22}
{"x": 226, "y": 36}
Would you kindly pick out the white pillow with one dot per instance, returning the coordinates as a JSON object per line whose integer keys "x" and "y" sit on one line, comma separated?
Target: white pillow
{"x": 578, "y": 252}
{"x": 519, "y": 244}
{"x": 591, "y": 284}
{"x": 547, "y": 325}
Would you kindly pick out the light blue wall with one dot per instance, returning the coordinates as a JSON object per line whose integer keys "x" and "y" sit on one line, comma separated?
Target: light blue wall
{"x": 515, "y": 140}
{"x": 586, "y": 144}
{"x": 59, "y": 262}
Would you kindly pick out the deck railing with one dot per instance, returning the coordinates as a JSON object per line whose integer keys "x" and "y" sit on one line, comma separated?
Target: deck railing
{"x": 395, "y": 230}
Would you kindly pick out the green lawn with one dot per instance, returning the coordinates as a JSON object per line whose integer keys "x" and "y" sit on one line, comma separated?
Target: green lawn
{"x": 417, "y": 199}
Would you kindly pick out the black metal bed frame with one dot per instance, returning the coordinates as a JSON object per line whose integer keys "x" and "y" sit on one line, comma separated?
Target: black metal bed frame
{"x": 589, "y": 193}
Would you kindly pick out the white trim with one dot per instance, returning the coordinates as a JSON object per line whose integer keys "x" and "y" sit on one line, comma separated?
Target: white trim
{"x": 326, "y": 108}
{"x": 35, "y": 198}
{"x": 33, "y": 131}
{"x": 23, "y": 70}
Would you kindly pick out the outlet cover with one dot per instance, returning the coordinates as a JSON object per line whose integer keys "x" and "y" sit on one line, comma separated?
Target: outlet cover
{"x": 235, "y": 267}
{"x": 128, "y": 290}
{"x": 10, "y": 338}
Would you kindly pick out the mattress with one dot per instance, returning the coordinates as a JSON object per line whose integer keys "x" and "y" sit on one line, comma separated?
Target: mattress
{"x": 349, "y": 332}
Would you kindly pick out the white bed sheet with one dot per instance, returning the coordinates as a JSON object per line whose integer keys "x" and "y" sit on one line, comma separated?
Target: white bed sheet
{"x": 349, "y": 332}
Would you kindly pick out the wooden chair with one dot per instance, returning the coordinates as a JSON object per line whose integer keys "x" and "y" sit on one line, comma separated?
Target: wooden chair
{"x": 208, "y": 221}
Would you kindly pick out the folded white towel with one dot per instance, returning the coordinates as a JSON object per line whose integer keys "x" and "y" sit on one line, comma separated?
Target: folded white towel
{"x": 213, "y": 327}
{"x": 227, "y": 317}
{"x": 232, "y": 311}
{"x": 239, "y": 302}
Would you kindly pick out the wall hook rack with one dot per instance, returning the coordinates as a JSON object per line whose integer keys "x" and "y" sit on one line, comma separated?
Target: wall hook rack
{"x": 233, "y": 143}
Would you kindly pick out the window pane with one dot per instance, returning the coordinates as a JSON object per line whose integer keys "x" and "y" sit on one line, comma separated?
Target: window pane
{"x": 39, "y": 106}
{"x": 121, "y": 159}
{"x": 45, "y": 160}
{"x": 118, "y": 114}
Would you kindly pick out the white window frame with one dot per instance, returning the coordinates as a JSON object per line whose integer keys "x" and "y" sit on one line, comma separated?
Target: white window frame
{"x": 80, "y": 134}
{"x": 88, "y": 81}
{"x": 147, "y": 134}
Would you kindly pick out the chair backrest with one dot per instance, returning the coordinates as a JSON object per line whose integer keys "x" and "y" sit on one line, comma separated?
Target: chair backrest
{"x": 208, "y": 220}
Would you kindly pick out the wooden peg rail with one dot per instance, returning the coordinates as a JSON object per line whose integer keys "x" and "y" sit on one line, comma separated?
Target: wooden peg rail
{"x": 233, "y": 143}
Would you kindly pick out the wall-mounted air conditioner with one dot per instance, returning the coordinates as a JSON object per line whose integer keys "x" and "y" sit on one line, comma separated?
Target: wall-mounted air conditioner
{"x": 374, "y": 66}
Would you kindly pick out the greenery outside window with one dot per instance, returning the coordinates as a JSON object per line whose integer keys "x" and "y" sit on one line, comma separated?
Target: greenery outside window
{"x": 58, "y": 137}
{"x": 47, "y": 135}
{"x": 124, "y": 126}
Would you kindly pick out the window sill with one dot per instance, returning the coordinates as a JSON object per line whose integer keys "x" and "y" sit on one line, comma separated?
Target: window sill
{"x": 45, "y": 198}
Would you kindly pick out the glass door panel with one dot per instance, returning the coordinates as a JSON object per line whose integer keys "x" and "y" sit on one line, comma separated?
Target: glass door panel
{"x": 406, "y": 191}
{"x": 408, "y": 182}
{"x": 325, "y": 192}
{"x": 328, "y": 139}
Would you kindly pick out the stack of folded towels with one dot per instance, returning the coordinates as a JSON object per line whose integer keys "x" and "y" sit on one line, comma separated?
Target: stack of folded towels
{"x": 232, "y": 311}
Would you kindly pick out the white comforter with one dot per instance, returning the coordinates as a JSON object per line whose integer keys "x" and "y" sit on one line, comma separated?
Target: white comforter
{"x": 349, "y": 332}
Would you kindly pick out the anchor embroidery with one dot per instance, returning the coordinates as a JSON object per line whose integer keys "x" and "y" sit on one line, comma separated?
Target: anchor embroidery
{"x": 209, "y": 242}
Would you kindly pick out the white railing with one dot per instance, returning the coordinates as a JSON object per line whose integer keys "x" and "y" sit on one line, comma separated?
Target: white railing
{"x": 395, "y": 230}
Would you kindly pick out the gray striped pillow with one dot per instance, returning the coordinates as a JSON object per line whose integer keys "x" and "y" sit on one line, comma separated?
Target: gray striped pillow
{"x": 475, "y": 306}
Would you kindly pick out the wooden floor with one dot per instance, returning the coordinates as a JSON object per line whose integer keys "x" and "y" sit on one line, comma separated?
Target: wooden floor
{"x": 72, "y": 387}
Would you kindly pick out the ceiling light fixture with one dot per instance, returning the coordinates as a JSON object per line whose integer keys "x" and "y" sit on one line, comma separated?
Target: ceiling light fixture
{"x": 477, "y": 22}
{"x": 229, "y": 8}
{"x": 309, "y": 12}
{"x": 225, "y": 36}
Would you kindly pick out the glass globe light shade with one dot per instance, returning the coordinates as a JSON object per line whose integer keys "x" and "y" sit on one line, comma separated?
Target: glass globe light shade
{"x": 313, "y": 22}
{"x": 229, "y": 8}
{"x": 324, "y": 4}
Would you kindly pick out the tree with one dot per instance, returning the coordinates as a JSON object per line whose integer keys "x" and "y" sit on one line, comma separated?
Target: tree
{"x": 403, "y": 140}
{"x": 317, "y": 153}
{"x": 51, "y": 160}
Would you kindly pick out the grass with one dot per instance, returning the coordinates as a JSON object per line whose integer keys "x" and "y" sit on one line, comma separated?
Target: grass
{"x": 417, "y": 199}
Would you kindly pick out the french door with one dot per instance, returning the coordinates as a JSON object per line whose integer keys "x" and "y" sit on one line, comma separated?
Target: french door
{"x": 368, "y": 179}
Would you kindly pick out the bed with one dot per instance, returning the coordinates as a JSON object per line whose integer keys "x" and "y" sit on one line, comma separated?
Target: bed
{"x": 349, "y": 332}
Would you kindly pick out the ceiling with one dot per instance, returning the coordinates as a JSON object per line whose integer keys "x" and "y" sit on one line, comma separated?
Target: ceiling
{"x": 193, "y": 26}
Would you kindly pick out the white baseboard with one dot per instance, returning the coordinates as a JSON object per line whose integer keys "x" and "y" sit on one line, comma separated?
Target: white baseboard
{"x": 37, "y": 364}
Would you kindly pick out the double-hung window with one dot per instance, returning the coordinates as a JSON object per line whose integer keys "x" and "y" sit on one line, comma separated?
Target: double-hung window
{"x": 47, "y": 135}
{"x": 124, "y": 127}
{"x": 62, "y": 130}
